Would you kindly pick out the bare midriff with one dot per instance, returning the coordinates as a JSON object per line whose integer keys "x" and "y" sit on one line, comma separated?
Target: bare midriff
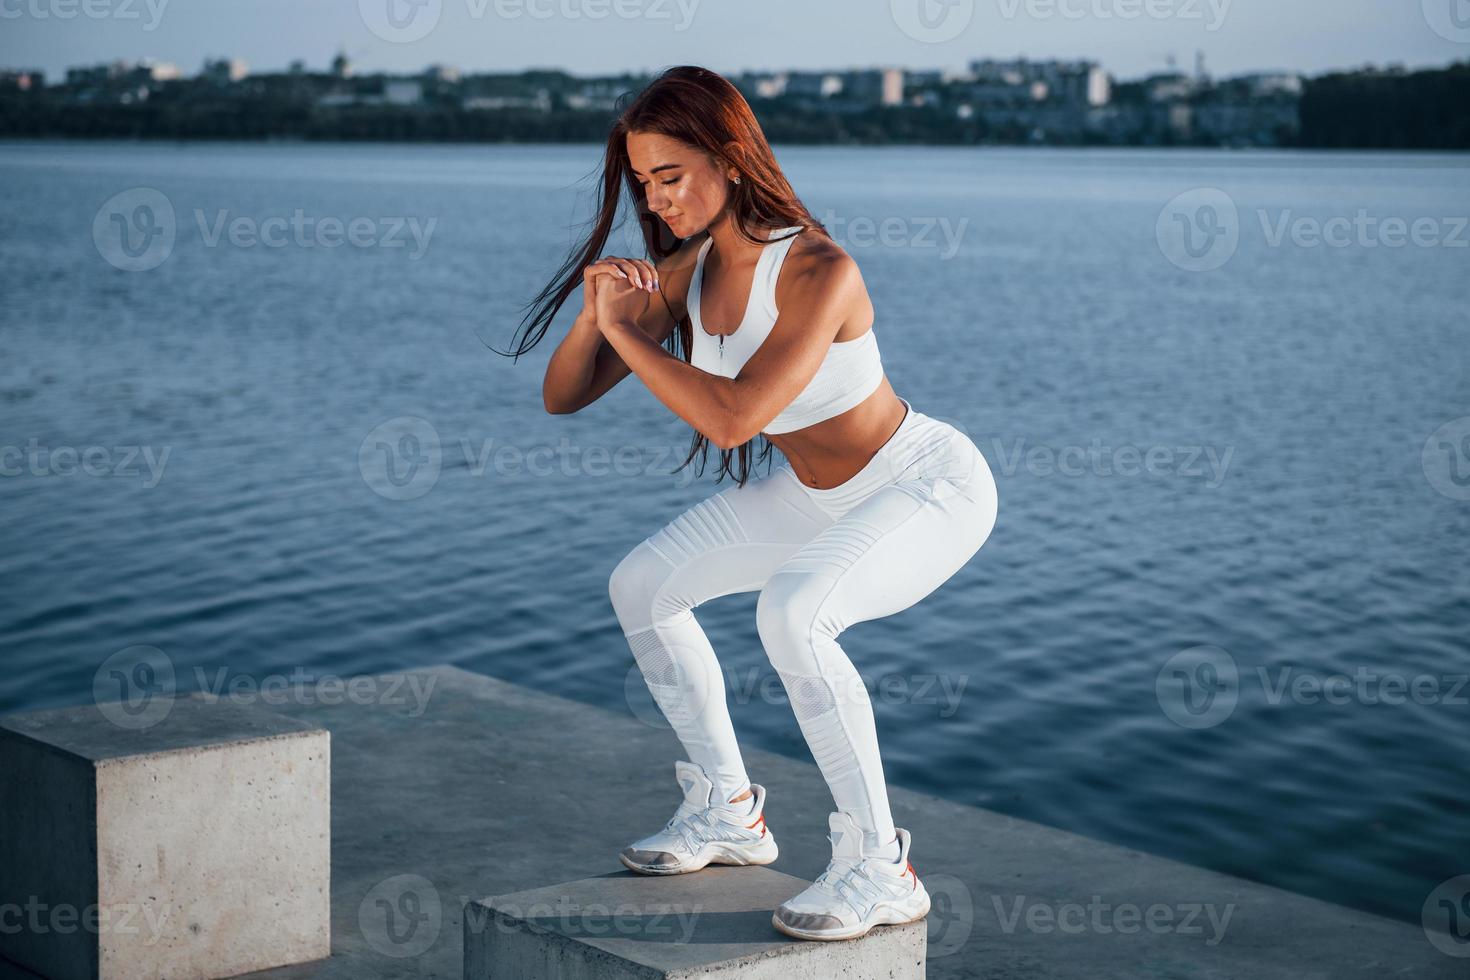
{"x": 832, "y": 452}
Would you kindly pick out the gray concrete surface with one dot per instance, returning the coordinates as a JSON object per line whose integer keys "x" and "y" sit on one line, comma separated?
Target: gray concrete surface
{"x": 624, "y": 926}
{"x": 466, "y": 786}
{"x": 190, "y": 844}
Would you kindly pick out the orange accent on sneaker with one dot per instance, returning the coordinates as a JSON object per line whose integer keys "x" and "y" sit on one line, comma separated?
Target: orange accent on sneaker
{"x": 911, "y": 871}
{"x": 761, "y": 820}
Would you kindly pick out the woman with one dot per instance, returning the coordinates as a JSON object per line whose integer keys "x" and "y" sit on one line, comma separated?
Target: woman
{"x": 769, "y": 332}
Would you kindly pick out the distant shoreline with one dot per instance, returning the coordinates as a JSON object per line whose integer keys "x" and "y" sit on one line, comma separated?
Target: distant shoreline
{"x": 1318, "y": 151}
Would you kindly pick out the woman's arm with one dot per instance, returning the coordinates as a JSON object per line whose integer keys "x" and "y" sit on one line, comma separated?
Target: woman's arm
{"x": 584, "y": 367}
{"x": 819, "y": 291}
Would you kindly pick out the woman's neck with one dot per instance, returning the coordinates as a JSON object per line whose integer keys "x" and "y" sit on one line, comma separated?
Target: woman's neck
{"x": 731, "y": 244}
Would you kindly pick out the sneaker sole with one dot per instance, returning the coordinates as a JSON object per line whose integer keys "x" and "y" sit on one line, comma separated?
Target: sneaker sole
{"x": 889, "y": 916}
{"x": 765, "y": 853}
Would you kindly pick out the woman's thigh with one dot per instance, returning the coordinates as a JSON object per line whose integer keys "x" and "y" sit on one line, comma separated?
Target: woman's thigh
{"x": 886, "y": 553}
{"x": 727, "y": 543}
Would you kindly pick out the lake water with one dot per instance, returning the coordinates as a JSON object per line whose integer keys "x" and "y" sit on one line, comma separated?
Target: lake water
{"x": 1234, "y": 469}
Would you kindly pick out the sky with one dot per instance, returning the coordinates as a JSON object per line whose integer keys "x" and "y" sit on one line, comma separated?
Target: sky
{"x": 587, "y": 37}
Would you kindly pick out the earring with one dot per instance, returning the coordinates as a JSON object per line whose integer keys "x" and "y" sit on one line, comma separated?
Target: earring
{"x": 736, "y": 178}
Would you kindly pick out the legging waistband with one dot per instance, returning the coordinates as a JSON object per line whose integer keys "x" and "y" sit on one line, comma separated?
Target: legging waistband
{"x": 920, "y": 447}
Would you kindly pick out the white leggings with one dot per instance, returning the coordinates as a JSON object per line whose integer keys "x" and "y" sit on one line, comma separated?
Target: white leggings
{"x": 822, "y": 561}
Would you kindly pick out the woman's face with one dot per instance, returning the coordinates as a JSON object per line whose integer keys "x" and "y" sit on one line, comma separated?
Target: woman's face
{"x": 683, "y": 185}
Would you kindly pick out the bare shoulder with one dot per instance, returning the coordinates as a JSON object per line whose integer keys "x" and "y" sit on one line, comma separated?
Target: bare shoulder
{"x": 818, "y": 270}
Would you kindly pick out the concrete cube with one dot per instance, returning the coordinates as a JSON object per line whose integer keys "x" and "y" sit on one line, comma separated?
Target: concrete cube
{"x": 622, "y": 926}
{"x": 194, "y": 843}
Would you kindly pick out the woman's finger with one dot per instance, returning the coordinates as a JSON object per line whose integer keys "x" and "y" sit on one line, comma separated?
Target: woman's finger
{"x": 603, "y": 267}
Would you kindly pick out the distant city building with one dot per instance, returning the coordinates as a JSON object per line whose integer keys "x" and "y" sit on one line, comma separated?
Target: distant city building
{"x": 24, "y": 80}
{"x": 540, "y": 101}
{"x": 1268, "y": 84}
{"x": 1008, "y": 83}
{"x": 1169, "y": 86}
{"x": 225, "y": 70}
{"x": 98, "y": 74}
{"x": 157, "y": 71}
{"x": 812, "y": 84}
{"x": 403, "y": 91}
{"x": 341, "y": 67}
{"x": 882, "y": 86}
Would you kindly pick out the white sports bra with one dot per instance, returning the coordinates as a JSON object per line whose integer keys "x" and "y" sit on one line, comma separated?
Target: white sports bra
{"x": 851, "y": 371}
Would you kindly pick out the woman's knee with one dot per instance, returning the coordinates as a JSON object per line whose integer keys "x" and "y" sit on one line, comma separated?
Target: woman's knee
{"x": 636, "y": 584}
{"x": 789, "y": 621}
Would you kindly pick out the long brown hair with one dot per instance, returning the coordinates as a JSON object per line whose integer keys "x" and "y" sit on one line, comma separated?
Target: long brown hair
{"x": 703, "y": 109}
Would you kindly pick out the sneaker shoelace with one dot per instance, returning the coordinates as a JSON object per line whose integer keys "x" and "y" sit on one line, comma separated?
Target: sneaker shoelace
{"x": 847, "y": 881}
{"x": 696, "y": 829}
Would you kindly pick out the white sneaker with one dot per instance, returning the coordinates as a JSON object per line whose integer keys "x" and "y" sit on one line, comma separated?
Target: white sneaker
{"x": 703, "y": 831}
{"x": 856, "y": 892}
